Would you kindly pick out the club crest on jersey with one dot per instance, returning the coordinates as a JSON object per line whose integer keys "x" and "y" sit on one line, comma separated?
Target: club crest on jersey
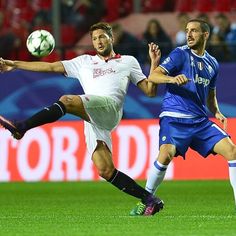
{"x": 200, "y": 65}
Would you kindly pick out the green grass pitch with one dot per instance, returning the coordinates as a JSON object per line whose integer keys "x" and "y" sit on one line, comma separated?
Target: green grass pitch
{"x": 192, "y": 208}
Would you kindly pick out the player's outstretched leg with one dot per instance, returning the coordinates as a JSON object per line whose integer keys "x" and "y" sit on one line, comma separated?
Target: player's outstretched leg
{"x": 12, "y": 127}
{"x": 47, "y": 115}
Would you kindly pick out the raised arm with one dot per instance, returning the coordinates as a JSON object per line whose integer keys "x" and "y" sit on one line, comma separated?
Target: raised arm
{"x": 8, "y": 65}
{"x": 149, "y": 88}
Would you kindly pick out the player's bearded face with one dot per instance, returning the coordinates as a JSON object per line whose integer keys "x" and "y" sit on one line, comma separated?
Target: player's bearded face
{"x": 196, "y": 42}
{"x": 195, "y": 36}
{"x": 106, "y": 51}
{"x": 102, "y": 43}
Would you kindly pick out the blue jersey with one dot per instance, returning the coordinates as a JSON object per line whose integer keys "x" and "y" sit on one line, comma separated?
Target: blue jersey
{"x": 189, "y": 99}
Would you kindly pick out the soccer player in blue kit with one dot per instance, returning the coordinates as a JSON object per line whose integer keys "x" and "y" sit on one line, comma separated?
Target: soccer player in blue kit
{"x": 190, "y": 75}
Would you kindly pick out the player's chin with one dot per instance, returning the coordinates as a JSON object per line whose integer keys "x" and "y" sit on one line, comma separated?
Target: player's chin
{"x": 191, "y": 45}
{"x": 100, "y": 51}
{"x": 103, "y": 53}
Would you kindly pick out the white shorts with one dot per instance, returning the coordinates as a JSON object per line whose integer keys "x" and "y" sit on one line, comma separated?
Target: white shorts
{"x": 105, "y": 115}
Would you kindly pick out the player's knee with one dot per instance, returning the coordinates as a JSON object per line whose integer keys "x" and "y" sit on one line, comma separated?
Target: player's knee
{"x": 165, "y": 158}
{"x": 67, "y": 100}
{"x": 233, "y": 153}
{"x": 166, "y": 154}
{"x": 64, "y": 99}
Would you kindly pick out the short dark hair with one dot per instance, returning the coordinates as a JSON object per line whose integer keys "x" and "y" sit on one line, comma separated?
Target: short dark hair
{"x": 103, "y": 26}
{"x": 204, "y": 26}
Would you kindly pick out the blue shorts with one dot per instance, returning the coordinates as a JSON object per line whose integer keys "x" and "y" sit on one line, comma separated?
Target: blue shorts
{"x": 200, "y": 134}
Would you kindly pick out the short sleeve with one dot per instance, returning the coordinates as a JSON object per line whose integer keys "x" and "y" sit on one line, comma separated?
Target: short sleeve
{"x": 214, "y": 79}
{"x": 174, "y": 61}
{"x": 136, "y": 73}
{"x": 73, "y": 66}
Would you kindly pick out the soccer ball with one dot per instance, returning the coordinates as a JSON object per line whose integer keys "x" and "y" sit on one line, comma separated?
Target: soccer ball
{"x": 40, "y": 43}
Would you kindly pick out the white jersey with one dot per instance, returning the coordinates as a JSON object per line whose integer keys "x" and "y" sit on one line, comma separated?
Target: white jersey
{"x": 105, "y": 78}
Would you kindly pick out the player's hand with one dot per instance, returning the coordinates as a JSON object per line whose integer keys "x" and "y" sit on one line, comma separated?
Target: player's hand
{"x": 6, "y": 65}
{"x": 154, "y": 53}
{"x": 223, "y": 120}
{"x": 180, "y": 80}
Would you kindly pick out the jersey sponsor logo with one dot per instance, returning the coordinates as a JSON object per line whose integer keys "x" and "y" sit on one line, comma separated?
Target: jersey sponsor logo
{"x": 201, "y": 80}
{"x": 97, "y": 72}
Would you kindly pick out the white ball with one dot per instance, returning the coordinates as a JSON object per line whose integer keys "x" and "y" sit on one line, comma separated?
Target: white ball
{"x": 40, "y": 43}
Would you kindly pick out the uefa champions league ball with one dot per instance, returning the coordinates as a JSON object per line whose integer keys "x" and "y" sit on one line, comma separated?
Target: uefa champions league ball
{"x": 40, "y": 43}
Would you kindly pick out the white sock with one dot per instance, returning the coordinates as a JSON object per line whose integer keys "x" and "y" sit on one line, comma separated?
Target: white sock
{"x": 155, "y": 176}
{"x": 232, "y": 176}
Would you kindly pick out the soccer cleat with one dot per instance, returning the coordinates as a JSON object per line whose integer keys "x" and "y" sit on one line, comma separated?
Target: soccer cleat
{"x": 11, "y": 127}
{"x": 153, "y": 206}
{"x": 138, "y": 210}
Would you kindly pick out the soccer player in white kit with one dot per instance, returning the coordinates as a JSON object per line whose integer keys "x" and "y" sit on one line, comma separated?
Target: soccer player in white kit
{"x": 105, "y": 78}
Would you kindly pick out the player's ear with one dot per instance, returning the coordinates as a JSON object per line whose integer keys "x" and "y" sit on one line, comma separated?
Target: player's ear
{"x": 112, "y": 39}
{"x": 207, "y": 34}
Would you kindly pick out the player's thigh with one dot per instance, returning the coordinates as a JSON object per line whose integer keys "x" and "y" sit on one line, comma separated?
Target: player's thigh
{"x": 103, "y": 111}
{"x": 166, "y": 153}
{"x": 226, "y": 148}
{"x": 206, "y": 135}
{"x": 174, "y": 136}
{"x": 74, "y": 105}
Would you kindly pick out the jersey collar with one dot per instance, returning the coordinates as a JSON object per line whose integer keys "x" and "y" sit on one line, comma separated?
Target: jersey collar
{"x": 117, "y": 56}
{"x": 198, "y": 55}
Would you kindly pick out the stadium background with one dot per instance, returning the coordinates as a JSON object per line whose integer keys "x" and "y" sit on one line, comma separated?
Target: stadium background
{"x": 57, "y": 152}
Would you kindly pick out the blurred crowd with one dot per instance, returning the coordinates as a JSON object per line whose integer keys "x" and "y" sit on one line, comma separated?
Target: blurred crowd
{"x": 18, "y": 18}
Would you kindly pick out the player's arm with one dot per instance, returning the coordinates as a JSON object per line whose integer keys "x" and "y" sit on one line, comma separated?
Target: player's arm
{"x": 149, "y": 88}
{"x": 160, "y": 76}
{"x": 213, "y": 107}
{"x": 8, "y": 65}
